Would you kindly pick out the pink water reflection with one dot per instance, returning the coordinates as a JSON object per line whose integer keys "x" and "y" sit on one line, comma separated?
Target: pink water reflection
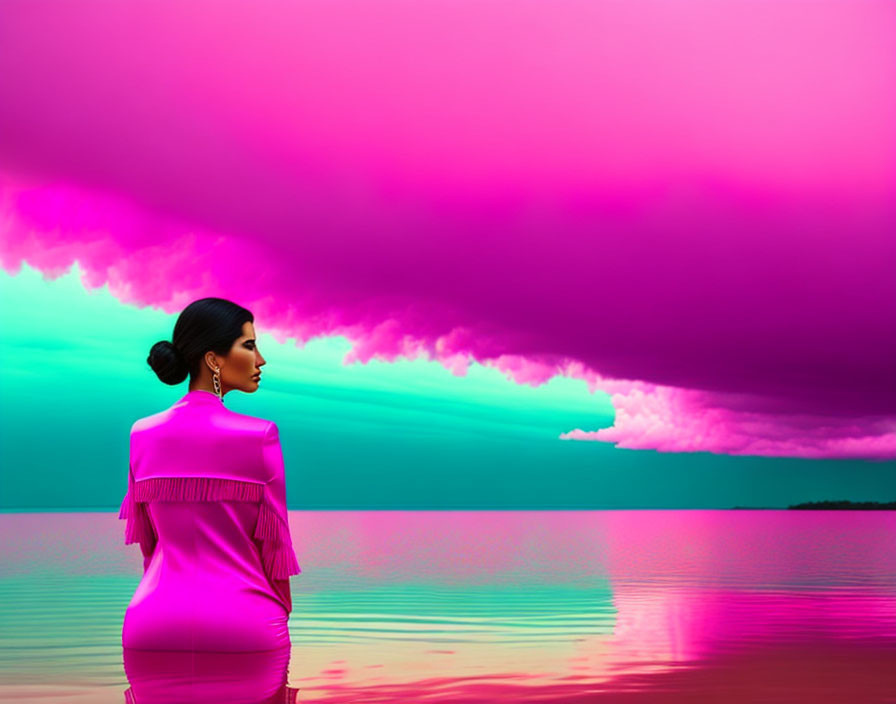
{"x": 710, "y": 600}
{"x": 704, "y": 638}
{"x": 652, "y": 606}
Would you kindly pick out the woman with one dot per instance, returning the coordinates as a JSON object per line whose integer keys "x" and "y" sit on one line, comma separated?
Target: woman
{"x": 206, "y": 499}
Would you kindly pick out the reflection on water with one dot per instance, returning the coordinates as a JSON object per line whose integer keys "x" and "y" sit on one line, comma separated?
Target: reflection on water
{"x": 652, "y": 606}
{"x": 162, "y": 677}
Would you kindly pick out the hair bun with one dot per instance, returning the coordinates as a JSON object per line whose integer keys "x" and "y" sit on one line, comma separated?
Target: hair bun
{"x": 167, "y": 362}
{"x": 206, "y": 325}
{"x": 175, "y": 349}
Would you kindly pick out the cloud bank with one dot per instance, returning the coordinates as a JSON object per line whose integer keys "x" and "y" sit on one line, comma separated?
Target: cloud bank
{"x": 690, "y": 205}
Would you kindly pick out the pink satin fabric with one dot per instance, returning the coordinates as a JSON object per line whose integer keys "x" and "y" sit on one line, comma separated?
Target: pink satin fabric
{"x": 206, "y": 502}
{"x": 167, "y": 677}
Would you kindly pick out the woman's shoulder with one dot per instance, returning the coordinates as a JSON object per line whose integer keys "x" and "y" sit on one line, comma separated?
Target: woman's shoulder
{"x": 253, "y": 424}
{"x": 214, "y": 441}
{"x": 222, "y": 420}
{"x": 147, "y": 422}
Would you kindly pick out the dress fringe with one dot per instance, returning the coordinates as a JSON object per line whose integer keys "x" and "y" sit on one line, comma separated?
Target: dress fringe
{"x": 277, "y": 553}
{"x": 278, "y": 556}
{"x": 196, "y": 489}
{"x": 138, "y": 528}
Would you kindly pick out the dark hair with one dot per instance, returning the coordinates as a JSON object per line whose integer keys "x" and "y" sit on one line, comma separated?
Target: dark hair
{"x": 206, "y": 324}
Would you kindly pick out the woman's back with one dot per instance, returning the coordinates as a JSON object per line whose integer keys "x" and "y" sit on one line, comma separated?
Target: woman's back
{"x": 206, "y": 501}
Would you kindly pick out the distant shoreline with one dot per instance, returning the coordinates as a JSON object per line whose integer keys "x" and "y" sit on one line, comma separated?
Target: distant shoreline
{"x": 860, "y": 505}
{"x": 830, "y": 505}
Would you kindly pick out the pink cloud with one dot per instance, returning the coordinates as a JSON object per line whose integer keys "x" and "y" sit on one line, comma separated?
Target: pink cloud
{"x": 671, "y": 419}
{"x": 690, "y": 205}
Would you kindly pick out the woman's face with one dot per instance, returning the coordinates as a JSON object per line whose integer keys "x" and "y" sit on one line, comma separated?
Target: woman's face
{"x": 242, "y": 363}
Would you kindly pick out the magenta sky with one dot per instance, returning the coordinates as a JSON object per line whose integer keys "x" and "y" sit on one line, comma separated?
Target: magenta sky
{"x": 690, "y": 204}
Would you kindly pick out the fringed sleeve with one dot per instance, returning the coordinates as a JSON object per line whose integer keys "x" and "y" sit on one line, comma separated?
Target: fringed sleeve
{"x": 272, "y": 529}
{"x": 139, "y": 528}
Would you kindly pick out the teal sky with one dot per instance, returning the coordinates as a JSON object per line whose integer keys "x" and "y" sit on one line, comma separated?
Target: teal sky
{"x": 400, "y": 435}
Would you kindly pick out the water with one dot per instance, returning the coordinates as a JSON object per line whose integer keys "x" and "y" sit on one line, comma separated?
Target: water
{"x": 466, "y": 606}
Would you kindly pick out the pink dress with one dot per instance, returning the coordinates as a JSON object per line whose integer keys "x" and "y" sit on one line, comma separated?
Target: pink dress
{"x": 206, "y": 501}
{"x": 184, "y": 677}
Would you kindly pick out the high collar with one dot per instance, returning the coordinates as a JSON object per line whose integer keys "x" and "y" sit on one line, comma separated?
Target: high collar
{"x": 201, "y": 396}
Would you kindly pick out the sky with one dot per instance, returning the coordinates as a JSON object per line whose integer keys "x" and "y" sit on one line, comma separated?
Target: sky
{"x": 402, "y": 434}
{"x": 681, "y": 212}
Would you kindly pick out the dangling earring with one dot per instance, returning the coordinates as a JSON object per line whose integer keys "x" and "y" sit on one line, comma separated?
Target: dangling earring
{"x": 216, "y": 379}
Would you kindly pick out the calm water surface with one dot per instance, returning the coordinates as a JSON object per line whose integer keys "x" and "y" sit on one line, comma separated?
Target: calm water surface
{"x": 471, "y": 606}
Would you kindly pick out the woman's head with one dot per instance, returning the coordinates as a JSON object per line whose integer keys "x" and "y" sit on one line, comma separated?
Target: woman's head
{"x": 210, "y": 333}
